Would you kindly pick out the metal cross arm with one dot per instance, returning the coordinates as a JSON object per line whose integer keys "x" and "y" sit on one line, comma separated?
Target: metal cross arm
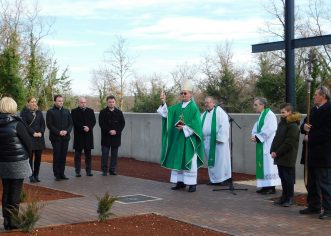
{"x": 289, "y": 45}
{"x": 296, "y": 43}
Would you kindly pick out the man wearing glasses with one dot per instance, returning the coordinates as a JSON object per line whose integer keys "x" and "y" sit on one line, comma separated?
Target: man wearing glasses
{"x": 182, "y": 145}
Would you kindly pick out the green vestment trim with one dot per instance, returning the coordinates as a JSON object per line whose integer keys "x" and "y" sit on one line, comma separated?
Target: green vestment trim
{"x": 177, "y": 151}
{"x": 259, "y": 147}
{"x": 212, "y": 146}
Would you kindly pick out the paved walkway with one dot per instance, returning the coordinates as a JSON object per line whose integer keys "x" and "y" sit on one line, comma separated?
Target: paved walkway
{"x": 246, "y": 213}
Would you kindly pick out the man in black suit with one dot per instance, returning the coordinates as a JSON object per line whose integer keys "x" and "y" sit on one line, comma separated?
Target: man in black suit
{"x": 319, "y": 155}
{"x": 59, "y": 123}
{"x": 111, "y": 121}
{"x": 84, "y": 121}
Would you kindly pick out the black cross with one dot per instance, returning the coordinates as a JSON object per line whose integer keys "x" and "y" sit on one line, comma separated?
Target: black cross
{"x": 289, "y": 44}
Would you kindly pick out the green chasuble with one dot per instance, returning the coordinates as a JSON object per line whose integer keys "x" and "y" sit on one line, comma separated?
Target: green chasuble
{"x": 177, "y": 151}
{"x": 259, "y": 147}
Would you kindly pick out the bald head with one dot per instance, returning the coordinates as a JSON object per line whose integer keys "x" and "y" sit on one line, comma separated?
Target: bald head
{"x": 82, "y": 102}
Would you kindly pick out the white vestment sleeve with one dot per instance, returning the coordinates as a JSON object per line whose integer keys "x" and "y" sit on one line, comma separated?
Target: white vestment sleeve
{"x": 187, "y": 131}
{"x": 163, "y": 110}
{"x": 254, "y": 130}
{"x": 269, "y": 127}
{"x": 223, "y": 126}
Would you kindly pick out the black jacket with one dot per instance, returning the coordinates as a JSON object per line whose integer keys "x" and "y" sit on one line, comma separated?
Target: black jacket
{"x": 286, "y": 141}
{"x": 80, "y": 118}
{"x": 319, "y": 137}
{"x": 57, "y": 120}
{"x": 36, "y": 123}
{"x": 15, "y": 141}
{"x": 111, "y": 120}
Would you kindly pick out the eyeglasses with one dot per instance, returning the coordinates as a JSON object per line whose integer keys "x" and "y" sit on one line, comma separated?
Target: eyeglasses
{"x": 183, "y": 93}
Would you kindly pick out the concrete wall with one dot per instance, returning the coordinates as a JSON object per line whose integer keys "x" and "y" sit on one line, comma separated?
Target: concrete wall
{"x": 141, "y": 139}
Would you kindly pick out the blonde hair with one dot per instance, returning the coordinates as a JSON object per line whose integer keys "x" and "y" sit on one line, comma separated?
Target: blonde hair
{"x": 8, "y": 105}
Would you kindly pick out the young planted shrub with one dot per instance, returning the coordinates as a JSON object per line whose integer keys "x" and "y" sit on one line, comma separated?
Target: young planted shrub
{"x": 23, "y": 196}
{"x": 28, "y": 216}
{"x": 105, "y": 204}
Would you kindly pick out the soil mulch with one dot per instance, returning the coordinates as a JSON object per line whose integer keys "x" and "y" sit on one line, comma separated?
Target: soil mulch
{"x": 139, "y": 225}
{"x": 141, "y": 169}
{"x": 38, "y": 193}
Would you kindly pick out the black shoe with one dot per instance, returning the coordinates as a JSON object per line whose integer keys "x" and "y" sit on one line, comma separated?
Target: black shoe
{"x": 216, "y": 184}
{"x": 112, "y": 173}
{"x": 261, "y": 190}
{"x": 325, "y": 216}
{"x": 10, "y": 227}
{"x": 58, "y": 178}
{"x": 280, "y": 201}
{"x": 178, "y": 186}
{"x": 37, "y": 178}
{"x": 89, "y": 174}
{"x": 288, "y": 203}
{"x": 32, "y": 179}
{"x": 309, "y": 211}
{"x": 192, "y": 188}
{"x": 269, "y": 191}
{"x": 78, "y": 175}
{"x": 104, "y": 174}
{"x": 64, "y": 177}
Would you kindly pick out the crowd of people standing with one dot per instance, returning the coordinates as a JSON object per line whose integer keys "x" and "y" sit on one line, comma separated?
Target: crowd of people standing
{"x": 188, "y": 138}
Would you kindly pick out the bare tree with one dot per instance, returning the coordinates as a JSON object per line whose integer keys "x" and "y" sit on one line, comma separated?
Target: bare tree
{"x": 104, "y": 83}
{"x": 120, "y": 64}
{"x": 183, "y": 72}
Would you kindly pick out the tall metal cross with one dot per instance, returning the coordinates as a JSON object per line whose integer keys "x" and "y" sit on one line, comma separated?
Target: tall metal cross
{"x": 289, "y": 44}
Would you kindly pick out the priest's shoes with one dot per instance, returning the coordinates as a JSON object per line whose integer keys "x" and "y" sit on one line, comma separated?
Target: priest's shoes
{"x": 325, "y": 216}
{"x": 192, "y": 188}
{"x": 179, "y": 185}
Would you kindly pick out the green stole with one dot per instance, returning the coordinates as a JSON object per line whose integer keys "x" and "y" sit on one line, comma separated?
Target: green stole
{"x": 177, "y": 150}
{"x": 259, "y": 147}
{"x": 212, "y": 146}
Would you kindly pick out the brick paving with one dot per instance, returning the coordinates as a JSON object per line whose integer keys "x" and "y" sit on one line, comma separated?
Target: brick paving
{"x": 246, "y": 213}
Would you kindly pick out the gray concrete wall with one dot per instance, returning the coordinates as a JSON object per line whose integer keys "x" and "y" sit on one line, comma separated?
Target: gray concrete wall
{"x": 141, "y": 140}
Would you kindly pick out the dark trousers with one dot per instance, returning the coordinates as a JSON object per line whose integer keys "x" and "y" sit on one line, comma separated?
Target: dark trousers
{"x": 10, "y": 199}
{"x": 287, "y": 176}
{"x": 105, "y": 157}
{"x": 35, "y": 162}
{"x": 88, "y": 160}
{"x": 60, "y": 150}
{"x": 319, "y": 187}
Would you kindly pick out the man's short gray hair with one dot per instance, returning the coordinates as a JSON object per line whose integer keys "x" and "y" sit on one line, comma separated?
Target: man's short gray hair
{"x": 322, "y": 90}
{"x": 262, "y": 101}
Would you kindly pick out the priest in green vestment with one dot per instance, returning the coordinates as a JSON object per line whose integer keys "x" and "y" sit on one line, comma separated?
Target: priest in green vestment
{"x": 216, "y": 132}
{"x": 263, "y": 133}
{"x": 182, "y": 144}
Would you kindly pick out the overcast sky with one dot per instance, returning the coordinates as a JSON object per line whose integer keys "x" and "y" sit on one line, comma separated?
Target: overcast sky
{"x": 161, "y": 34}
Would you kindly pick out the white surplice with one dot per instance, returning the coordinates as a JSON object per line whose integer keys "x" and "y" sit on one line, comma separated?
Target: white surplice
{"x": 222, "y": 169}
{"x": 188, "y": 177}
{"x": 266, "y": 136}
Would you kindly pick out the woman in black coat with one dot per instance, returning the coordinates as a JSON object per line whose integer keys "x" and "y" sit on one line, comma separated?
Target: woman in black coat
{"x": 36, "y": 127}
{"x": 15, "y": 149}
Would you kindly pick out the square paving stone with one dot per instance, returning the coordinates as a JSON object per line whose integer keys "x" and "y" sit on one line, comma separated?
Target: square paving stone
{"x": 138, "y": 198}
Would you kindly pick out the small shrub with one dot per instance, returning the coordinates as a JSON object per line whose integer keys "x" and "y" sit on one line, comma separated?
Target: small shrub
{"x": 23, "y": 196}
{"x": 28, "y": 216}
{"x": 105, "y": 204}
